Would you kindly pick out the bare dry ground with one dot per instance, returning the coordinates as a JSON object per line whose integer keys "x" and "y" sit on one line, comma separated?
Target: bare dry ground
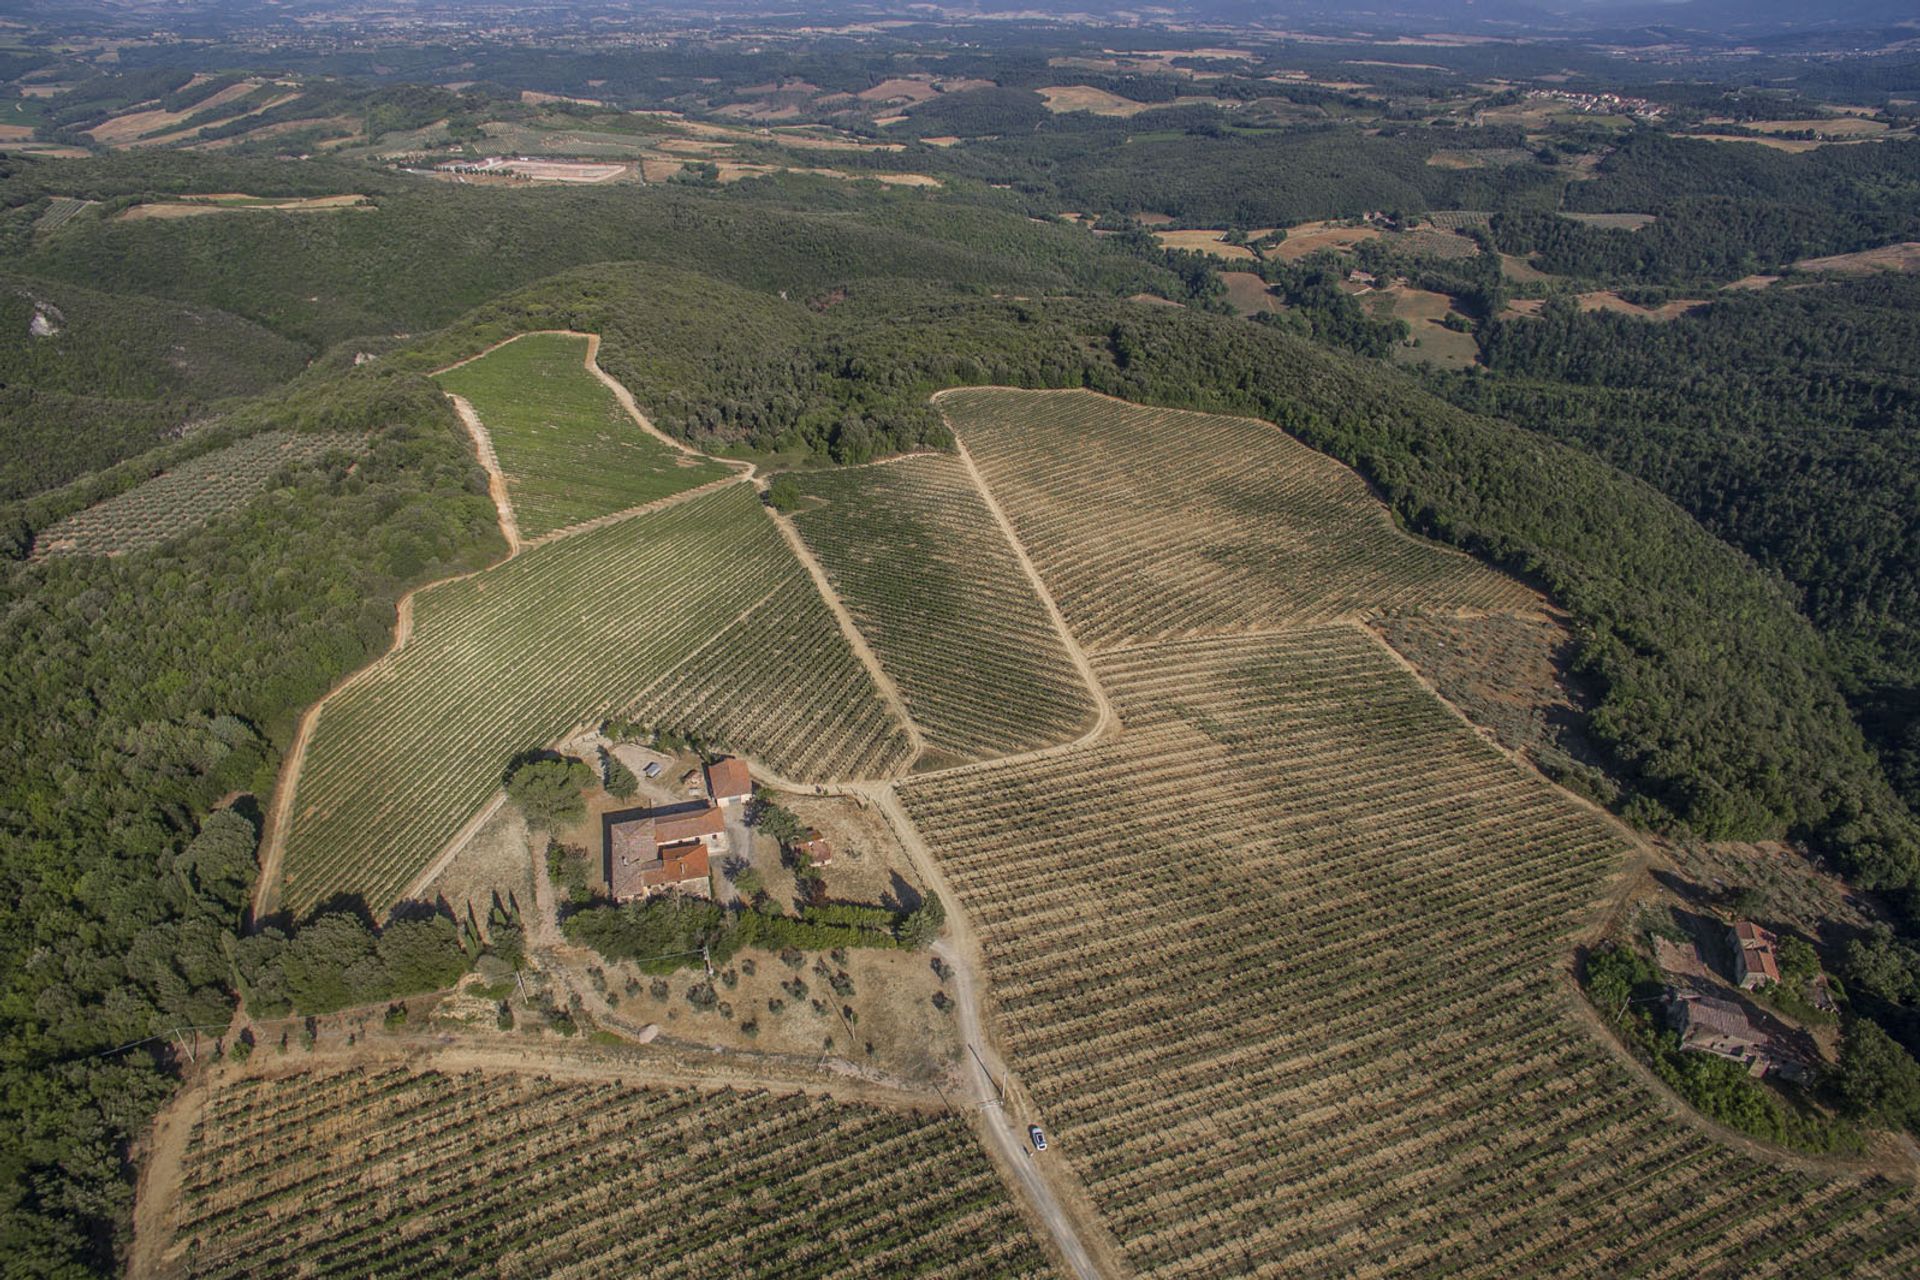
{"x": 1614, "y": 221}
{"x": 1248, "y": 293}
{"x": 1423, "y": 311}
{"x": 197, "y": 206}
{"x": 1212, "y": 242}
{"x": 1309, "y": 237}
{"x": 1892, "y": 257}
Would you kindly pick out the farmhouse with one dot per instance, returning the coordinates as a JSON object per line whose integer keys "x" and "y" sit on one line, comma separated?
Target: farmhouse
{"x": 814, "y": 848}
{"x": 1719, "y": 1027}
{"x": 660, "y": 850}
{"x": 1754, "y": 963}
{"x": 728, "y": 782}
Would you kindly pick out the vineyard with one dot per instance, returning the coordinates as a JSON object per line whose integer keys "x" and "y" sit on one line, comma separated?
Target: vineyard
{"x": 402, "y": 1174}
{"x": 197, "y": 491}
{"x": 1158, "y": 523}
{"x": 1281, "y": 968}
{"x": 568, "y": 451}
{"x": 916, "y": 555}
{"x": 694, "y": 616}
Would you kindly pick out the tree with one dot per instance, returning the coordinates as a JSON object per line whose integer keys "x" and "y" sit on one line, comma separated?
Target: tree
{"x": 1881, "y": 965}
{"x": 620, "y": 781}
{"x": 548, "y": 790}
{"x": 784, "y": 493}
{"x": 923, "y": 924}
{"x": 1879, "y": 1080}
{"x": 218, "y": 865}
{"x": 776, "y": 820}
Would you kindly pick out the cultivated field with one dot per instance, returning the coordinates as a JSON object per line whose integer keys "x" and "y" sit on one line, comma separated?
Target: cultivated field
{"x": 1424, "y": 310}
{"x": 1282, "y": 967}
{"x": 196, "y": 206}
{"x": 695, "y": 616}
{"x": 568, "y": 451}
{"x": 1155, "y": 523}
{"x": 914, "y": 552}
{"x": 183, "y": 499}
{"x": 342, "y": 1173}
{"x": 1212, "y": 242}
{"x": 1891, "y": 257}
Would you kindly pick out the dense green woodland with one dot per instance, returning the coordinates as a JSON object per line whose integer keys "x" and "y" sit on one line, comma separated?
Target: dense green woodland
{"x": 798, "y": 315}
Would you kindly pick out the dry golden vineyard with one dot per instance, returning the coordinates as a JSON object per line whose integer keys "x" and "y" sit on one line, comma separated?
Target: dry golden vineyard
{"x": 1152, "y": 523}
{"x": 928, "y": 575}
{"x": 1281, "y": 966}
{"x": 393, "y": 1173}
{"x": 696, "y": 616}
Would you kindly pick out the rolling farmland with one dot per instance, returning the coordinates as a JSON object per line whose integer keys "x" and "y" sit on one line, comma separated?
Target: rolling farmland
{"x": 567, "y": 449}
{"x": 1281, "y": 967}
{"x": 402, "y": 1174}
{"x": 183, "y": 499}
{"x": 696, "y": 615}
{"x": 1157, "y": 523}
{"x": 916, "y": 555}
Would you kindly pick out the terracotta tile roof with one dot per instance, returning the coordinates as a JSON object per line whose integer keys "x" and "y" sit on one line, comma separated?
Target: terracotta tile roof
{"x": 687, "y": 824}
{"x": 728, "y": 779}
{"x": 678, "y": 864}
{"x": 1756, "y": 950}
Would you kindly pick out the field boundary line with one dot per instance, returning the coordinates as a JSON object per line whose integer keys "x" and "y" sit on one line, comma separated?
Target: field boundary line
{"x": 1053, "y": 1194}
{"x": 1386, "y": 508}
{"x": 1104, "y": 718}
{"x": 490, "y": 460}
{"x": 279, "y": 818}
{"x": 889, "y": 691}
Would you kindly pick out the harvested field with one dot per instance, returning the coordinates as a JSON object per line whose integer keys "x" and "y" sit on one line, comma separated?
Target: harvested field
{"x": 1212, "y": 242}
{"x": 1316, "y": 1022}
{"x": 1083, "y": 97}
{"x": 1248, "y": 293}
{"x": 1521, "y": 271}
{"x": 1607, "y": 300}
{"x": 1154, "y": 523}
{"x": 196, "y": 206}
{"x": 1483, "y": 158}
{"x": 1891, "y": 257}
{"x": 696, "y": 616}
{"x": 389, "y": 1172}
{"x": 125, "y": 129}
{"x": 1423, "y": 310}
{"x": 1311, "y": 237}
{"x": 1842, "y": 126}
{"x": 569, "y": 452}
{"x": 1614, "y": 221}
{"x": 195, "y": 492}
{"x": 913, "y": 550}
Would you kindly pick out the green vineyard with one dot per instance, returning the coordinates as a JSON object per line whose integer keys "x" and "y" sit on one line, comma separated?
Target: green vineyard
{"x": 1157, "y": 523}
{"x": 1283, "y": 967}
{"x": 400, "y": 1174}
{"x": 916, "y": 555}
{"x": 695, "y": 616}
{"x": 568, "y": 451}
{"x": 197, "y": 491}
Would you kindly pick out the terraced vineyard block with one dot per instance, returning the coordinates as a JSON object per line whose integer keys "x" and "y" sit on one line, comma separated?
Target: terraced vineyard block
{"x": 194, "y": 493}
{"x": 1157, "y": 523}
{"x": 569, "y": 452}
{"x": 1283, "y": 967}
{"x": 695, "y": 616}
{"x": 398, "y": 1174}
{"x": 916, "y": 555}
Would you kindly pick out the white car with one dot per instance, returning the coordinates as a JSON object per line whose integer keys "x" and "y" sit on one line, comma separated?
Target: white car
{"x": 1039, "y": 1138}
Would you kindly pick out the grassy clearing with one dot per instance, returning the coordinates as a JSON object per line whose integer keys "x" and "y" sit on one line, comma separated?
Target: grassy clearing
{"x": 915, "y": 553}
{"x": 696, "y": 616}
{"x": 567, "y": 449}
{"x": 1281, "y": 968}
{"x": 183, "y": 499}
{"x": 1152, "y": 523}
{"x": 351, "y": 1173}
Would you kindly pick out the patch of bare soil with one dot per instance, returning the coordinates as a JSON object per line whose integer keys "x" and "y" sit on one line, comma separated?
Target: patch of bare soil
{"x": 495, "y": 865}
{"x": 1891, "y": 257}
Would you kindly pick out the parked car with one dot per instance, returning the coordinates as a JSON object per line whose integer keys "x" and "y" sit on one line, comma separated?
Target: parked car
{"x": 1039, "y": 1138}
